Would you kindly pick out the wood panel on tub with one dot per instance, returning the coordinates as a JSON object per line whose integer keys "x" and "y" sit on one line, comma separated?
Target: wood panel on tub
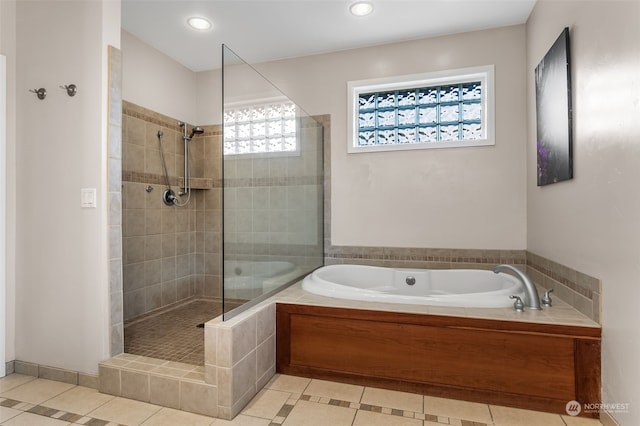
{"x": 525, "y": 365}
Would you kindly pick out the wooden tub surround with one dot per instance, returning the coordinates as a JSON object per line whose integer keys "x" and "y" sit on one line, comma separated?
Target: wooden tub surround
{"x": 535, "y": 366}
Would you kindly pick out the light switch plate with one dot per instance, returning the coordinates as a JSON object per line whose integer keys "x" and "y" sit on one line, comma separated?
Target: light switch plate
{"x": 88, "y": 198}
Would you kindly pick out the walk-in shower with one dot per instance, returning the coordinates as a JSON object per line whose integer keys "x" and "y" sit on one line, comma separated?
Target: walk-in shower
{"x": 171, "y": 278}
{"x": 241, "y": 215}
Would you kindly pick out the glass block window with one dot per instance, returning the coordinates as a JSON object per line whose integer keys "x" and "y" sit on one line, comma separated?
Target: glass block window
{"x": 451, "y": 109}
{"x": 260, "y": 129}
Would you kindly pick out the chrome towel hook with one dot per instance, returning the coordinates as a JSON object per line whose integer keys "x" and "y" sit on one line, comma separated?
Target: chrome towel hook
{"x": 71, "y": 89}
{"x": 41, "y": 93}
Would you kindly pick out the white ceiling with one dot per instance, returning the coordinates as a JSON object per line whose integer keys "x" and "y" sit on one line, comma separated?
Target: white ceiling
{"x": 264, "y": 30}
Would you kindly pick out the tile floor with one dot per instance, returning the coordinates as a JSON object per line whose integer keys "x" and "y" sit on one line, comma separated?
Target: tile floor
{"x": 286, "y": 401}
{"x": 172, "y": 334}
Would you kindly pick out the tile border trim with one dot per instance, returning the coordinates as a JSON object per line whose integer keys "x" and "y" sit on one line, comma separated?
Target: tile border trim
{"x": 53, "y": 413}
{"x": 288, "y": 407}
{"x": 427, "y": 255}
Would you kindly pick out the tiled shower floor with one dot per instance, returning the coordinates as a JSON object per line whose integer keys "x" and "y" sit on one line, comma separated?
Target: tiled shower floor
{"x": 172, "y": 335}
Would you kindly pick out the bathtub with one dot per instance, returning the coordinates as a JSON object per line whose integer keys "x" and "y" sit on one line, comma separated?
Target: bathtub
{"x": 449, "y": 287}
{"x": 247, "y": 279}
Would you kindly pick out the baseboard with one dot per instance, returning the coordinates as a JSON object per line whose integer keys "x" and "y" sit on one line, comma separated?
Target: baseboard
{"x": 53, "y": 373}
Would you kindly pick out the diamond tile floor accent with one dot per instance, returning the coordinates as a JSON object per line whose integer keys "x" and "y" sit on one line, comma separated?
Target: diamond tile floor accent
{"x": 285, "y": 401}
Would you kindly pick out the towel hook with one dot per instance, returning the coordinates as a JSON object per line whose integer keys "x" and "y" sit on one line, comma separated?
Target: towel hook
{"x": 71, "y": 89}
{"x": 41, "y": 93}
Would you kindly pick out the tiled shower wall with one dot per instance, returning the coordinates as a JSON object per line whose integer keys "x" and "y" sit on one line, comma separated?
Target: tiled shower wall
{"x": 273, "y": 209}
{"x": 116, "y": 326}
{"x": 170, "y": 253}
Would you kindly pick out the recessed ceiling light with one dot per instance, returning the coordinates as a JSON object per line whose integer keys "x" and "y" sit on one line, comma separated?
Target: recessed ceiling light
{"x": 199, "y": 23}
{"x": 361, "y": 8}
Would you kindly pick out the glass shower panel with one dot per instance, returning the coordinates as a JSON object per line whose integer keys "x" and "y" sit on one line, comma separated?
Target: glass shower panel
{"x": 272, "y": 188}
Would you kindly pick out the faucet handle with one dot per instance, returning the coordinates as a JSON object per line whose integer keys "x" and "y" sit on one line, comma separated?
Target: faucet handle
{"x": 546, "y": 299}
{"x": 518, "y": 305}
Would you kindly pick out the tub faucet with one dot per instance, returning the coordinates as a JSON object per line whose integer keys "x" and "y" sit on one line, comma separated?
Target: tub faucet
{"x": 531, "y": 297}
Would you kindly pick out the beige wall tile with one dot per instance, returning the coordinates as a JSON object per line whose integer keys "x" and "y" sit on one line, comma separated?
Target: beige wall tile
{"x": 266, "y": 322}
{"x": 224, "y": 384}
{"x": 134, "y": 130}
{"x": 88, "y": 380}
{"x": 26, "y": 368}
{"x": 210, "y": 345}
{"x": 266, "y": 377}
{"x": 109, "y": 382}
{"x": 244, "y": 377}
{"x": 243, "y": 335}
{"x": 164, "y": 391}
{"x": 223, "y": 347}
{"x": 58, "y": 374}
{"x": 134, "y": 385}
{"x": 266, "y": 356}
{"x": 199, "y": 398}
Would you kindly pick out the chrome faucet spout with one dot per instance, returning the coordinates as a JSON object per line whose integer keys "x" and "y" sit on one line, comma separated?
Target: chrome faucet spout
{"x": 531, "y": 298}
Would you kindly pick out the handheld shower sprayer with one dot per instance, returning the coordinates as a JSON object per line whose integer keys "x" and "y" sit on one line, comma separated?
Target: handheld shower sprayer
{"x": 194, "y": 131}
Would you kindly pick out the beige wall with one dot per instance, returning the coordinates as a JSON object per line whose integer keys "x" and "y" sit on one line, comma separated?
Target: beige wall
{"x": 448, "y": 198}
{"x": 591, "y": 223}
{"x": 8, "y": 48}
{"x": 208, "y": 97}
{"x": 62, "y": 306}
{"x": 154, "y": 81}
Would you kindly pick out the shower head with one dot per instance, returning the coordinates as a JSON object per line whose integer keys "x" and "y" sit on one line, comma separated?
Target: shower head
{"x": 196, "y": 131}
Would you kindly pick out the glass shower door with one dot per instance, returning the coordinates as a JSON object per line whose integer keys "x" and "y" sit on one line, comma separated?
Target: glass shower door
{"x": 272, "y": 188}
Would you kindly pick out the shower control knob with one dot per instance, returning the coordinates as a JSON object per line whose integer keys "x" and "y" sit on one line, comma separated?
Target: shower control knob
{"x": 410, "y": 280}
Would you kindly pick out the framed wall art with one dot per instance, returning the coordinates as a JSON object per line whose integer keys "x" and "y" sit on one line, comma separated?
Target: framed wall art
{"x": 554, "y": 113}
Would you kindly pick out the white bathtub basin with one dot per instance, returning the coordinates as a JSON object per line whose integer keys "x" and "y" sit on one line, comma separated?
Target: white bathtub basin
{"x": 246, "y": 279}
{"x": 471, "y": 288}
